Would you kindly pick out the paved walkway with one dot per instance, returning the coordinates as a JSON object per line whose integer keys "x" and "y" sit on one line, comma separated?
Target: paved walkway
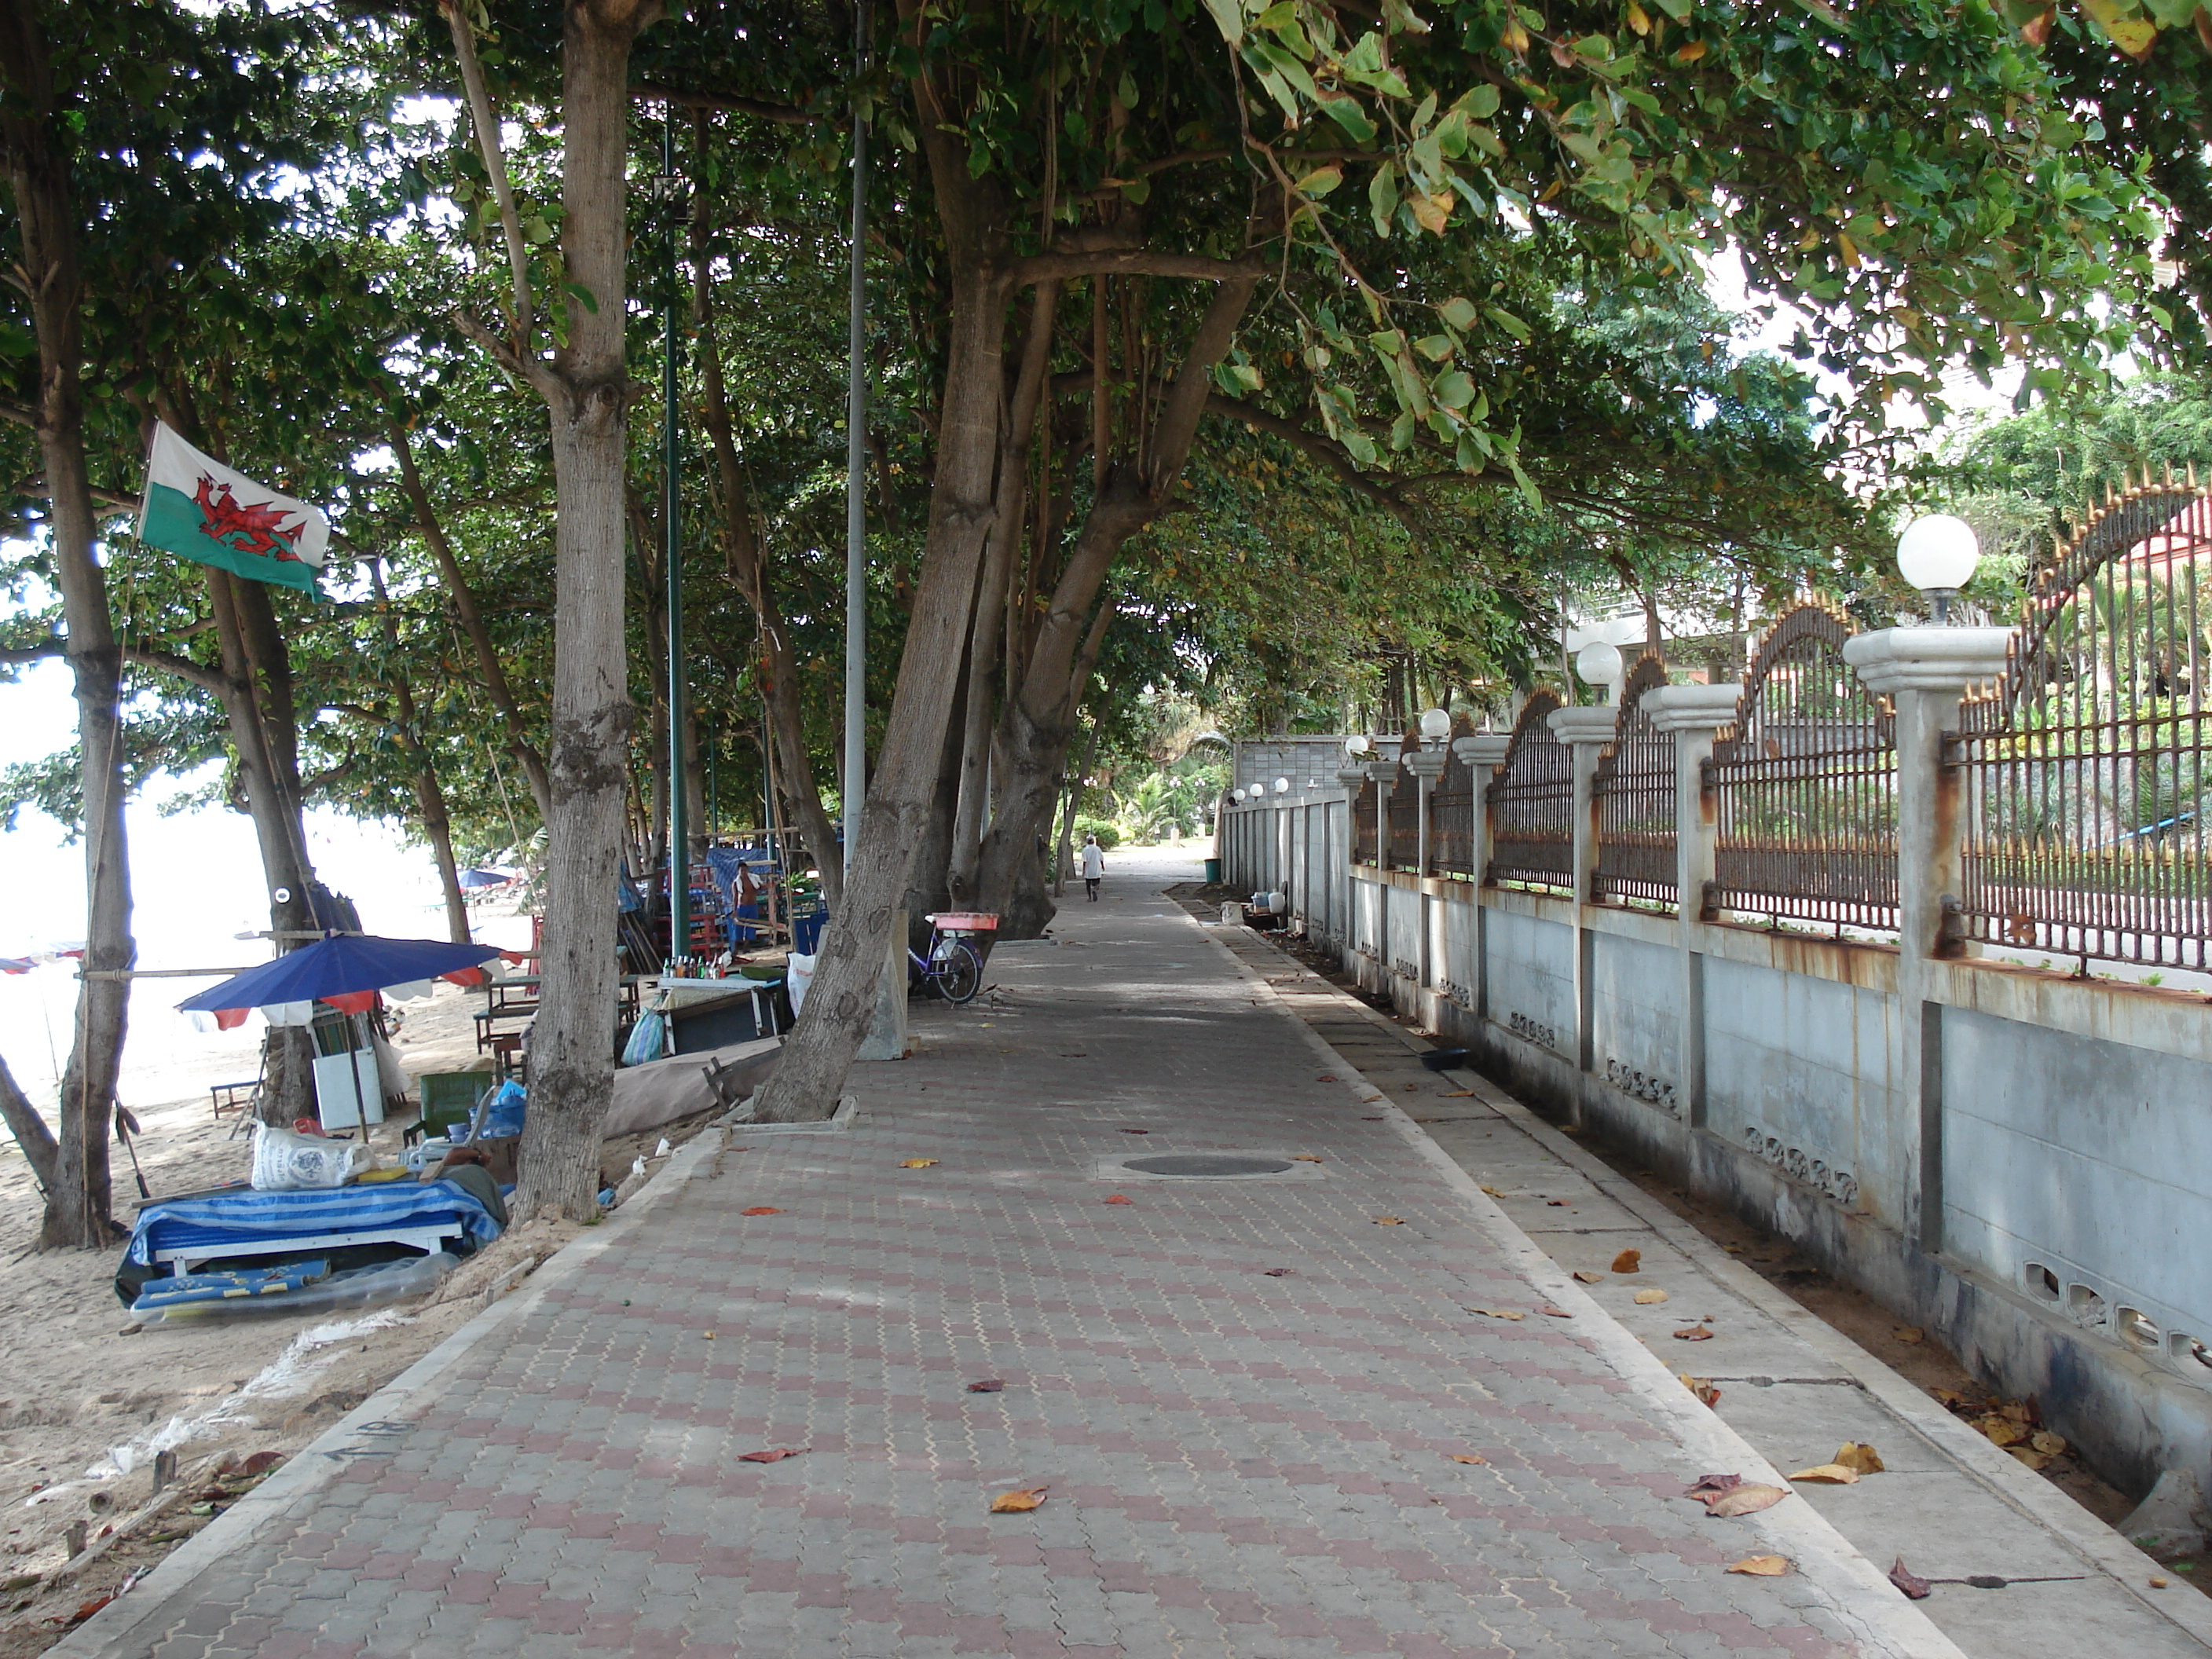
{"x": 1244, "y": 1398}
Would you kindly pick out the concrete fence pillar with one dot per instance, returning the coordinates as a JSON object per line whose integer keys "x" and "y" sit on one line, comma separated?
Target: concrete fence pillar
{"x": 1693, "y": 715}
{"x": 1482, "y": 754}
{"x": 1926, "y": 672}
{"x": 1587, "y": 732}
{"x": 1426, "y": 765}
{"x": 1383, "y": 772}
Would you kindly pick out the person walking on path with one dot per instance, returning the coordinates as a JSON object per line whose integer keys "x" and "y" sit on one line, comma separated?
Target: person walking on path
{"x": 1094, "y": 866}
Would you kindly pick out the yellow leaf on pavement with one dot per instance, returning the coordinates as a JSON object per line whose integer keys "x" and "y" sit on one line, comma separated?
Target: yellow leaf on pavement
{"x": 1857, "y": 1455}
{"x": 1498, "y": 1313}
{"x": 1467, "y": 1457}
{"x": 1762, "y": 1566}
{"x": 1651, "y": 1297}
{"x": 1828, "y": 1475}
{"x": 916, "y": 1163}
{"x": 1017, "y": 1501}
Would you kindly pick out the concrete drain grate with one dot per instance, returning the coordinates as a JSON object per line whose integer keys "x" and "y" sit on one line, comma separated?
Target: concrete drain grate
{"x": 1207, "y": 1163}
{"x": 1206, "y": 1166}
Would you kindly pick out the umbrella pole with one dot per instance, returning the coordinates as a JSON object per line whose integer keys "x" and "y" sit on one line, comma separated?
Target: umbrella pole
{"x": 353, "y": 1065}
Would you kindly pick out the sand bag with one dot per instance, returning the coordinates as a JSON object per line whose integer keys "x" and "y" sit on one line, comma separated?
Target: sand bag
{"x": 798, "y": 975}
{"x": 286, "y": 1161}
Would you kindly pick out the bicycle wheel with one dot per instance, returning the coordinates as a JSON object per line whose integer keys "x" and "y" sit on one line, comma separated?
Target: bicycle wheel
{"x": 958, "y": 973}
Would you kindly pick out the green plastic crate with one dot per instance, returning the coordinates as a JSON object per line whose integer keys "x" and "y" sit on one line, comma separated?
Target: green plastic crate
{"x": 449, "y": 1097}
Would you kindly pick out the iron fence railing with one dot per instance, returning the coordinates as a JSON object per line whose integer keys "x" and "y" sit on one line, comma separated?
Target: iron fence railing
{"x": 1403, "y": 816}
{"x": 2083, "y": 773}
{"x": 1363, "y": 823}
{"x": 1532, "y": 805}
{"x": 1805, "y": 785}
{"x": 1633, "y": 792}
{"x": 1451, "y": 822}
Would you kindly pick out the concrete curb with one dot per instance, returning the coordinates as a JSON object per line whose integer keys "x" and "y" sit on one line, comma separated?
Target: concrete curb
{"x": 372, "y": 1430}
{"x": 1853, "y": 1588}
{"x": 2101, "y": 1547}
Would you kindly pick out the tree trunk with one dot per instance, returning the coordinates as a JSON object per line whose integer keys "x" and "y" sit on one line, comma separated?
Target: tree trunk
{"x": 989, "y": 629}
{"x": 818, "y": 1053}
{"x": 29, "y": 1129}
{"x": 928, "y": 887}
{"x": 748, "y": 564}
{"x": 76, "y": 1175}
{"x": 470, "y": 615}
{"x": 1038, "y": 719}
{"x": 1059, "y": 860}
{"x": 587, "y": 389}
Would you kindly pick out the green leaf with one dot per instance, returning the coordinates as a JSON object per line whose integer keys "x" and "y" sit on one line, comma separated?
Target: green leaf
{"x": 1480, "y": 101}
{"x": 1345, "y": 112}
{"x": 1321, "y": 180}
{"x": 1126, "y": 94}
{"x": 1137, "y": 190}
{"x": 1229, "y": 18}
{"x": 1460, "y": 314}
{"x": 1437, "y": 348}
{"x": 1382, "y": 196}
{"x": 1506, "y": 320}
{"x": 1453, "y": 391}
{"x": 583, "y": 296}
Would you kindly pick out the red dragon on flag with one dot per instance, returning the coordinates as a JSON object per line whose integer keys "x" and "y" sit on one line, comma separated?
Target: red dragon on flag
{"x": 255, "y": 527}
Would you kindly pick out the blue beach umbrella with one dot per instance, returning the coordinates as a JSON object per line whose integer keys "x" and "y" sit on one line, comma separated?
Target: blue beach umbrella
{"x": 346, "y": 970}
{"x": 476, "y": 879}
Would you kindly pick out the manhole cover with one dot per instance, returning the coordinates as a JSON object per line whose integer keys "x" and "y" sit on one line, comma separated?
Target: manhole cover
{"x": 1207, "y": 1163}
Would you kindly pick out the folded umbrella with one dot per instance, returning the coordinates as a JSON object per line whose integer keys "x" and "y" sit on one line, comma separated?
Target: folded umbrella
{"x": 346, "y": 970}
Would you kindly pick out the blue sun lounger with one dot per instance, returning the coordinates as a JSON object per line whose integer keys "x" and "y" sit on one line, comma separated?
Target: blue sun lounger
{"x": 180, "y": 1233}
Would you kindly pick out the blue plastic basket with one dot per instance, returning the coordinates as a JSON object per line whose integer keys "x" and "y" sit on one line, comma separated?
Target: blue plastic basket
{"x": 806, "y": 927}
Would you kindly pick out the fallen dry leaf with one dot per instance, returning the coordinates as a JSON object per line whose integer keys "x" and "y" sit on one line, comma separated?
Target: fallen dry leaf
{"x": 1304, "y": 1157}
{"x": 1749, "y": 1498}
{"x": 1762, "y": 1566}
{"x": 1278, "y": 1272}
{"x": 1949, "y": 1396}
{"x": 2156, "y": 1583}
{"x": 988, "y": 1385}
{"x": 1857, "y": 1454}
{"x": 1556, "y": 1313}
{"x": 1467, "y": 1457}
{"x": 774, "y": 1455}
{"x": 1019, "y": 1501}
{"x": 1713, "y": 1482}
{"x": 1828, "y": 1475}
{"x": 762, "y": 1209}
{"x": 916, "y": 1163}
{"x": 1915, "y": 1587}
{"x": 1694, "y": 1333}
{"x": 1909, "y": 1333}
{"x": 1628, "y": 1261}
{"x": 1410, "y": 1087}
{"x": 1136, "y": 1132}
{"x": 2002, "y": 1431}
{"x": 2050, "y": 1444}
{"x": 1651, "y": 1297}
{"x": 1325, "y": 1077}
{"x": 1117, "y": 1198}
{"x": 2031, "y": 1457}
{"x": 1702, "y": 1387}
{"x": 1388, "y": 1221}
{"x": 710, "y": 1335}
{"x": 1456, "y": 1094}
{"x": 86, "y": 1610}
{"x": 1498, "y": 1313}
{"x": 1589, "y": 1278}
{"x": 1493, "y": 1192}
{"x": 1556, "y": 1203}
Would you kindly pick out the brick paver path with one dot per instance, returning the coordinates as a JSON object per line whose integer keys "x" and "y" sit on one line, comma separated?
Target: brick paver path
{"x": 1238, "y": 1463}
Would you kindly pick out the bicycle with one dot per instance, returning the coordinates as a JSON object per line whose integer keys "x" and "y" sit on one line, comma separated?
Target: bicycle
{"x": 954, "y": 968}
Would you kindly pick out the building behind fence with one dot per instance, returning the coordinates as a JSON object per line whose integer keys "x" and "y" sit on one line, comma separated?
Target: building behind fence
{"x": 1816, "y": 945}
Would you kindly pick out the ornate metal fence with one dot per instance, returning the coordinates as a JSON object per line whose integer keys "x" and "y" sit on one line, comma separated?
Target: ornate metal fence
{"x": 1363, "y": 824}
{"x": 1805, "y": 785}
{"x": 1451, "y": 818}
{"x": 2083, "y": 773}
{"x": 1633, "y": 791}
{"x": 1403, "y": 814}
{"x": 1532, "y": 805}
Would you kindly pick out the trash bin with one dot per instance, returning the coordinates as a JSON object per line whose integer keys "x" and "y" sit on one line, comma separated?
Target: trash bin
{"x": 806, "y": 929}
{"x": 1213, "y": 873}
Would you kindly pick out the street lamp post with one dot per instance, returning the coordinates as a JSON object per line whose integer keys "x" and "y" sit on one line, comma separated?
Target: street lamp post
{"x": 668, "y": 193}
{"x": 1937, "y": 554}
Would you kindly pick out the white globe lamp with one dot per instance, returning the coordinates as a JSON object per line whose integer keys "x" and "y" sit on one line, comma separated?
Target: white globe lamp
{"x": 1937, "y": 554}
{"x": 1436, "y": 725}
{"x": 1356, "y": 743}
{"x": 1599, "y": 665}
{"x": 1282, "y": 786}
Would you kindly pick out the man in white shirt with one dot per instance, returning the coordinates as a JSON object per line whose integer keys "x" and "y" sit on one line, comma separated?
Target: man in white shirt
{"x": 1094, "y": 866}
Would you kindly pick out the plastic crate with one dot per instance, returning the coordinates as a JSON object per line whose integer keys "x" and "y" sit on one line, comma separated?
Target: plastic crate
{"x": 449, "y": 1098}
{"x": 964, "y": 921}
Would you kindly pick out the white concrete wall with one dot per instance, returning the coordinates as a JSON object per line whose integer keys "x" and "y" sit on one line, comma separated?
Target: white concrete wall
{"x": 2024, "y": 1122}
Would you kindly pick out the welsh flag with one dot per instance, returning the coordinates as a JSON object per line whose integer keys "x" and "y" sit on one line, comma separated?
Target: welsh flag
{"x": 199, "y": 507}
